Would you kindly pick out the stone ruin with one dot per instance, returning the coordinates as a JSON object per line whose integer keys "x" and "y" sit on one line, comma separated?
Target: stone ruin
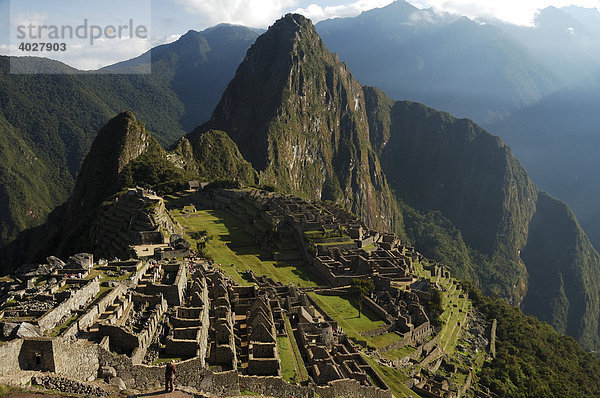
{"x": 61, "y": 318}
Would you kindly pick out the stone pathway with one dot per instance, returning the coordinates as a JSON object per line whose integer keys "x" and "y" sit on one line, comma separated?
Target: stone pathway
{"x": 161, "y": 393}
{"x": 30, "y": 395}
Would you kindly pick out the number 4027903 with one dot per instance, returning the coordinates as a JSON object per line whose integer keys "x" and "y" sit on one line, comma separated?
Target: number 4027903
{"x": 32, "y": 47}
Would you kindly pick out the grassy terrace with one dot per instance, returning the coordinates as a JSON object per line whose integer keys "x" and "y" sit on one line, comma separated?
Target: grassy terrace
{"x": 394, "y": 378}
{"x": 399, "y": 353}
{"x": 286, "y": 356}
{"x": 330, "y": 238}
{"x": 105, "y": 277}
{"x": 345, "y": 311}
{"x": 299, "y": 368}
{"x": 452, "y": 315}
{"x": 235, "y": 249}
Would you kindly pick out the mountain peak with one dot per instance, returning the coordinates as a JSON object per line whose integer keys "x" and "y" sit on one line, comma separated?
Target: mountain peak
{"x": 298, "y": 116}
{"x": 120, "y": 141}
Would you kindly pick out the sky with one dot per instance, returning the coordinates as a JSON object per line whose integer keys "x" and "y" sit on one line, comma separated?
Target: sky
{"x": 167, "y": 20}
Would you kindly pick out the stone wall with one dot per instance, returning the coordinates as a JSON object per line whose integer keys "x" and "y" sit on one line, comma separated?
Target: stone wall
{"x": 74, "y": 358}
{"x": 189, "y": 373}
{"x": 119, "y": 339}
{"x": 421, "y": 333}
{"x": 76, "y": 301}
{"x": 493, "y": 338}
{"x": 87, "y": 319}
{"x": 173, "y": 293}
{"x": 36, "y": 354}
{"x": 64, "y": 356}
{"x": 135, "y": 278}
{"x": 376, "y": 332}
{"x": 406, "y": 340}
{"x": 376, "y": 308}
{"x": 9, "y": 356}
{"x": 182, "y": 348}
{"x": 463, "y": 390}
{"x": 349, "y": 388}
{"x": 274, "y": 386}
{"x": 148, "y": 238}
{"x": 433, "y": 355}
{"x": 430, "y": 345}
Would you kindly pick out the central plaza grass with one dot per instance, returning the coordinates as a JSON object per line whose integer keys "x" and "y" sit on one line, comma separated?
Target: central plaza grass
{"x": 236, "y": 250}
{"x": 344, "y": 310}
{"x": 384, "y": 340}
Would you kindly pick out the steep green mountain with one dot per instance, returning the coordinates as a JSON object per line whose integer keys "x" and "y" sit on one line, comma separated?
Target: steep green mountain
{"x": 522, "y": 245}
{"x": 123, "y": 154}
{"x": 54, "y": 118}
{"x": 436, "y": 162}
{"x": 299, "y": 117}
{"x": 563, "y": 272}
{"x": 25, "y": 196}
{"x": 451, "y": 63}
{"x": 218, "y": 157}
{"x": 532, "y": 359}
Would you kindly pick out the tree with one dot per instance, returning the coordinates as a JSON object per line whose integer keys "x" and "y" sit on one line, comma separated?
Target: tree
{"x": 435, "y": 306}
{"x": 362, "y": 287}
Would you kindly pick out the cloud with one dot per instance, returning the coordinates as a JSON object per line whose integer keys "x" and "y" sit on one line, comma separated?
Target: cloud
{"x": 256, "y": 13}
{"x": 27, "y": 18}
{"x": 318, "y": 13}
{"x": 519, "y": 12}
{"x": 105, "y": 52}
{"x": 157, "y": 41}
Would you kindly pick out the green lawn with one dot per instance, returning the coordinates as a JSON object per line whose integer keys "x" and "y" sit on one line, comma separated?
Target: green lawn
{"x": 299, "y": 368}
{"x": 344, "y": 311}
{"x": 399, "y": 353}
{"x": 394, "y": 378}
{"x": 286, "y": 358}
{"x": 62, "y": 327}
{"x": 385, "y": 339}
{"x": 231, "y": 244}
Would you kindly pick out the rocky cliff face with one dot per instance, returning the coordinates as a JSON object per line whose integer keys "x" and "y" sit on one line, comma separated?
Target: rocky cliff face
{"x": 299, "y": 117}
{"x": 563, "y": 273}
{"x": 122, "y": 140}
{"x": 437, "y": 162}
{"x": 523, "y": 245}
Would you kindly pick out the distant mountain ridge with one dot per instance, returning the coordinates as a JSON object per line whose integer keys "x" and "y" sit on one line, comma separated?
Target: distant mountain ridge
{"x": 451, "y": 63}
